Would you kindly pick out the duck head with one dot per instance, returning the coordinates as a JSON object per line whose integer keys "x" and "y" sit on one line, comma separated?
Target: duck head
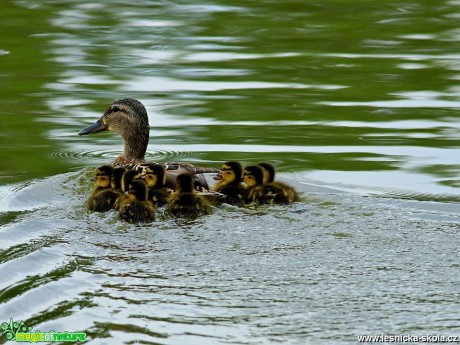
{"x": 253, "y": 176}
{"x": 137, "y": 190}
{"x": 128, "y": 177}
{"x": 128, "y": 118}
{"x": 184, "y": 184}
{"x": 231, "y": 172}
{"x": 103, "y": 176}
{"x": 117, "y": 175}
{"x": 155, "y": 176}
{"x": 269, "y": 172}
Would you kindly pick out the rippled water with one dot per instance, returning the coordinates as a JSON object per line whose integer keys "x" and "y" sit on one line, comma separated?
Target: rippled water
{"x": 356, "y": 104}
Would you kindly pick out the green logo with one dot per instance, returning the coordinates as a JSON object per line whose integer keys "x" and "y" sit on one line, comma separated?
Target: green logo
{"x": 19, "y": 332}
{"x": 11, "y": 329}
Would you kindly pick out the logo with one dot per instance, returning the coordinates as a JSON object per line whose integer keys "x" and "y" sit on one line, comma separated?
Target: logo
{"x": 20, "y": 332}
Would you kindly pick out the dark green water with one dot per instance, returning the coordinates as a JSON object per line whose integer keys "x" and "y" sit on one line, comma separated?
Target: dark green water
{"x": 355, "y": 102}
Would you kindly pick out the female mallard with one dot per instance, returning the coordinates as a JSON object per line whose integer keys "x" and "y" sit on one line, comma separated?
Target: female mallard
{"x": 185, "y": 202}
{"x": 136, "y": 208}
{"x": 253, "y": 177}
{"x": 128, "y": 118}
{"x": 229, "y": 184}
{"x": 269, "y": 178}
{"x": 104, "y": 196}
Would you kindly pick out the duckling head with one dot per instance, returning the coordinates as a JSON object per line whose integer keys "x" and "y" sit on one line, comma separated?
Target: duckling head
{"x": 184, "y": 183}
{"x": 128, "y": 118}
{"x": 117, "y": 175}
{"x": 155, "y": 176}
{"x": 230, "y": 172}
{"x": 137, "y": 190}
{"x": 269, "y": 172}
{"x": 253, "y": 176}
{"x": 128, "y": 177}
{"x": 103, "y": 176}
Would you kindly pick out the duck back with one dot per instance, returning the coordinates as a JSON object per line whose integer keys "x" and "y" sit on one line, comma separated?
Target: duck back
{"x": 188, "y": 205}
{"x": 137, "y": 212}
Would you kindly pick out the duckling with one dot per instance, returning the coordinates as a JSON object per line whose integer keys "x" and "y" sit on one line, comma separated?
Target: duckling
{"x": 185, "y": 203}
{"x": 137, "y": 209}
{"x": 127, "y": 177}
{"x": 128, "y": 117}
{"x": 155, "y": 179}
{"x": 229, "y": 184}
{"x": 103, "y": 196}
{"x": 253, "y": 177}
{"x": 117, "y": 175}
{"x": 269, "y": 178}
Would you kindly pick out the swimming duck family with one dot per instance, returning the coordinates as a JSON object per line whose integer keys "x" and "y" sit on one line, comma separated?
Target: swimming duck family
{"x": 137, "y": 189}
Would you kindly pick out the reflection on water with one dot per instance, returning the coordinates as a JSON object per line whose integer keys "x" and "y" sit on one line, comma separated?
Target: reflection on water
{"x": 355, "y": 103}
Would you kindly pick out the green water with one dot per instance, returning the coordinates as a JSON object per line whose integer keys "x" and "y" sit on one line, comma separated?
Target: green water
{"x": 354, "y": 101}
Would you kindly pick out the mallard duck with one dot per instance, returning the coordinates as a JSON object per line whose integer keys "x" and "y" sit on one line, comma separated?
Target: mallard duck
{"x": 137, "y": 209}
{"x": 257, "y": 191}
{"x": 229, "y": 184}
{"x": 103, "y": 197}
{"x": 155, "y": 179}
{"x": 185, "y": 203}
{"x": 128, "y": 118}
{"x": 269, "y": 178}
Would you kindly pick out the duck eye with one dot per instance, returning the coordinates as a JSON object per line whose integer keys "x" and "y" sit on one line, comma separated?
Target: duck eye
{"x": 115, "y": 109}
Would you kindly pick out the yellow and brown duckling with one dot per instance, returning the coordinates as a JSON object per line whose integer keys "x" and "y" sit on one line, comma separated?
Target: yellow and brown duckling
{"x": 117, "y": 175}
{"x": 269, "y": 179}
{"x": 257, "y": 191}
{"x": 230, "y": 184}
{"x": 136, "y": 208}
{"x": 127, "y": 177}
{"x": 103, "y": 196}
{"x": 155, "y": 178}
{"x": 185, "y": 203}
{"x": 128, "y": 117}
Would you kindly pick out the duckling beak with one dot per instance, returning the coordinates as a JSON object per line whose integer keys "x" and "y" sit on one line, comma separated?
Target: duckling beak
{"x": 218, "y": 177}
{"x": 98, "y": 126}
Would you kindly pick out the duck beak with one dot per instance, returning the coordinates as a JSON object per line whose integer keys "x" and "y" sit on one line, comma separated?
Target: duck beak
{"x": 218, "y": 177}
{"x": 98, "y": 126}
